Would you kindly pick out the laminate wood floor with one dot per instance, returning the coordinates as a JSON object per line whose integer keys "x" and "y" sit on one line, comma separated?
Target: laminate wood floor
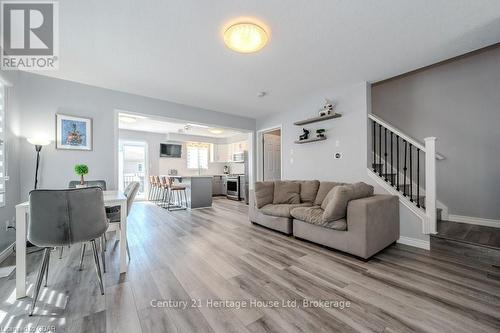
{"x": 216, "y": 254}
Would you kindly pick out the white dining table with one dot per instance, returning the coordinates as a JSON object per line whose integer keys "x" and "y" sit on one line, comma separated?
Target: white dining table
{"x": 111, "y": 198}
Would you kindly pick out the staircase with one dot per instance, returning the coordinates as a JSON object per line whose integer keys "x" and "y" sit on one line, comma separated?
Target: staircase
{"x": 407, "y": 168}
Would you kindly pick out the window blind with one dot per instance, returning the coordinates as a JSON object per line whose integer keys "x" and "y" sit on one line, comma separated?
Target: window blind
{"x": 2, "y": 145}
{"x": 197, "y": 155}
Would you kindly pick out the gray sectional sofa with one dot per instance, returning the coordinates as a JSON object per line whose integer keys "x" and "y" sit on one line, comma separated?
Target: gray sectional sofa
{"x": 346, "y": 217}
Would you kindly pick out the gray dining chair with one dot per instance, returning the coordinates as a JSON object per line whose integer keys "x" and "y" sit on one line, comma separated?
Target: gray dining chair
{"x": 62, "y": 218}
{"x": 88, "y": 183}
{"x": 114, "y": 221}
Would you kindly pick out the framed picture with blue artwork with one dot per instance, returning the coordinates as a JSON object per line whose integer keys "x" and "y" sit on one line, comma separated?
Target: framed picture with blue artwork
{"x": 73, "y": 133}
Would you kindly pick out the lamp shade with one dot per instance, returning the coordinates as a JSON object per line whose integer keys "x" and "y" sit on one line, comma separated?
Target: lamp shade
{"x": 38, "y": 141}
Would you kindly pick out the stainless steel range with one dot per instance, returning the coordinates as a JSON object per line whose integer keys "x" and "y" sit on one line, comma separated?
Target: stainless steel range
{"x": 237, "y": 185}
{"x": 233, "y": 187}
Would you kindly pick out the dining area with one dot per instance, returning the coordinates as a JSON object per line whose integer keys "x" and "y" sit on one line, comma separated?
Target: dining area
{"x": 55, "y": 221}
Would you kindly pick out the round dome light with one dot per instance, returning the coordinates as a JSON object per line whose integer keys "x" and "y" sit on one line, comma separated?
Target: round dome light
{"x": 245, "y": 37}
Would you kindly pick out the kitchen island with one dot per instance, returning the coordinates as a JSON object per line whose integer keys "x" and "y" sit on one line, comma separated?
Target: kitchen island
{"x": 198, "y": 190}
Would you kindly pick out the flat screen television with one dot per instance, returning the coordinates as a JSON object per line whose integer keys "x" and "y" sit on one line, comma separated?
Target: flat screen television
{"x": 170, "y": 150}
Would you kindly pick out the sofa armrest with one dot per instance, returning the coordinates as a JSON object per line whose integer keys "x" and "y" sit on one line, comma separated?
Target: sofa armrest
{"x": 373, "y": 221}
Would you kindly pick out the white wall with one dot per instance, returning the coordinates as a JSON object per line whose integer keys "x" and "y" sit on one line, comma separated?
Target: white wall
{"x": 40, "y": 98}
{"x": 315, "y": 160}
{"x": 457, "y": 102}
{"x": 347, "y": 135}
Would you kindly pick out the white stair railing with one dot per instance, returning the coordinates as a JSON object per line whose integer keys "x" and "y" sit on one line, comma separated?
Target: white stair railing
{"x": 398, "y": 174}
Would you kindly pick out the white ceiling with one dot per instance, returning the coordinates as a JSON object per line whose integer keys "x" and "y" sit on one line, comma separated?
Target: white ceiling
{"x": 174, "y": 50}
{"x": 163, "y": 127}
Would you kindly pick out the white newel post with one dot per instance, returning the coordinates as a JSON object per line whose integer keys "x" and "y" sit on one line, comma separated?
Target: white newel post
{"x": 430, "y": 226}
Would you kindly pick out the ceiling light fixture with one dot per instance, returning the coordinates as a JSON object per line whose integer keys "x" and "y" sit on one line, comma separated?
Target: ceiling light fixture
{"x": 197, "y": 125}
{"x": 127, "y": 120}
{"x": 215, "y": 131}
{"x": 129, "y": 115}
{"x": 245, "y": 37}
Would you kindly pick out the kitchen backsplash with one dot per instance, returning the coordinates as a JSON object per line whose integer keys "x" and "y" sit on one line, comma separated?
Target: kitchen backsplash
{"x": 237, "y": 168}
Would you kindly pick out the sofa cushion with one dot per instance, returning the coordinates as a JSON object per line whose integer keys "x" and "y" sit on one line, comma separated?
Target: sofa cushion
{"x": 286, "y": 192}
{"x": 335, "y": 203}
{"x": 281, "y": 210}
{"x": 312, "y": 214}
{"x": 340, "y": 225}
{"x": 324, "y": 188}
{"x": 264, "y": 193}
{"x": 308, "y": 190}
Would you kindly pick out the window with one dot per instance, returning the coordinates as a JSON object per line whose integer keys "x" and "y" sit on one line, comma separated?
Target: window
{"x": 197, "y": 155}
{"x": 2, "y": 145}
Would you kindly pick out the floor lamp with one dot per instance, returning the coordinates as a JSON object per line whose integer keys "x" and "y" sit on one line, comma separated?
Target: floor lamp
{"x": 38, "y": 143}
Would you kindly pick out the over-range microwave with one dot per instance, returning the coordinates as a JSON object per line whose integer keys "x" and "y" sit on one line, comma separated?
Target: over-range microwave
{"x": 170, "y": 150}
{"x": 239, "y": 157}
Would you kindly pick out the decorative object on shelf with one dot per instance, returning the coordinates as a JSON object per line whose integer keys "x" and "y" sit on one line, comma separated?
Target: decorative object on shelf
{"x": 73, "y": 133}
{"x": 320, "y": 133}
{"x": 304, "y": 135}
{"x": 81, "y": 170}
{"x": 327, "y": 108}
{"x": 38, "y": 143}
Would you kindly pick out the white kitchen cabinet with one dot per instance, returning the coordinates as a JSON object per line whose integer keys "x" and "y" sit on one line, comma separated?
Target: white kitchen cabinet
{"x": 224, "y": 152}
{"x": 224, "y": 185}
{"x": 221, "y": 153}
{"x": 239, "y": 147}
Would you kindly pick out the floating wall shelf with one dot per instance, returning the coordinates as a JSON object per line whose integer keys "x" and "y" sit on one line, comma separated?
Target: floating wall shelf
{"x": 316, "y": 119}
{"x": 311, "y": 140}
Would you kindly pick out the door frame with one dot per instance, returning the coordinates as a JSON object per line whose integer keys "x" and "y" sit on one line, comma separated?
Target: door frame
{"x": 145, "y": 144}
{"x": 260, "y": 150}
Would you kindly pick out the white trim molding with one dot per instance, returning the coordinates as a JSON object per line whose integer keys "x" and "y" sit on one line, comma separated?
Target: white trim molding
{"x": 415, "y": 242}
{"x": 7, "y": 252}
{"x": 474, "y": 220}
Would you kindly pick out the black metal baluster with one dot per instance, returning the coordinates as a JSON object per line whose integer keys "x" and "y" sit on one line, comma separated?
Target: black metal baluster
{"x": 380, "y": 150}
{"x": 418, "y": 177}
{"x": 404, "y": 170}
{"x": 411, "y": 176}
{"x": 374, "y": 148}
{"x": 397, "y": 162}
{"x": 392, "y": 165}
{"x": 385, "y": 154}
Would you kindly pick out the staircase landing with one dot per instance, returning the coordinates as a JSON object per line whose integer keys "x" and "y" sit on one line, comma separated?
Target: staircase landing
{"x": 471, "y": 241}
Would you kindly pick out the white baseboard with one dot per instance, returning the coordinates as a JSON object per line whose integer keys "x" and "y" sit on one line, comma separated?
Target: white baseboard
{"x": 7, "y": 252}
{"x": 420, "y": 243}
{"x": 474, "y": 220}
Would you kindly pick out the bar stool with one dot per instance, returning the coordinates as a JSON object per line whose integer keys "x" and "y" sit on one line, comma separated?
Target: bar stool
{"x": 158, "y": 192}
{"x": 179, "y": 191}
{"x": 165, "y": 188}
{"x": 151, "y": 187}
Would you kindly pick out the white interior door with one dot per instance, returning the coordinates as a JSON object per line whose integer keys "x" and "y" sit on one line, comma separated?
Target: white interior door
{"x": 272, "y": 157}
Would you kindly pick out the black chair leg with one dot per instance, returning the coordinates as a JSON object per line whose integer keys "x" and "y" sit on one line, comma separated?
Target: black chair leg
{"x": 39, "y": 278}
{"x": 81, "y": 256}
{"x": 97, "y": 265}
{"x": 103, "y": 250}
{"x": 47, "y": 270}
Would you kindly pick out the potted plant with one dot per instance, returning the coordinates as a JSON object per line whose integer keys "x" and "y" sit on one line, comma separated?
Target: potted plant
{"x": 81, "y": 170}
